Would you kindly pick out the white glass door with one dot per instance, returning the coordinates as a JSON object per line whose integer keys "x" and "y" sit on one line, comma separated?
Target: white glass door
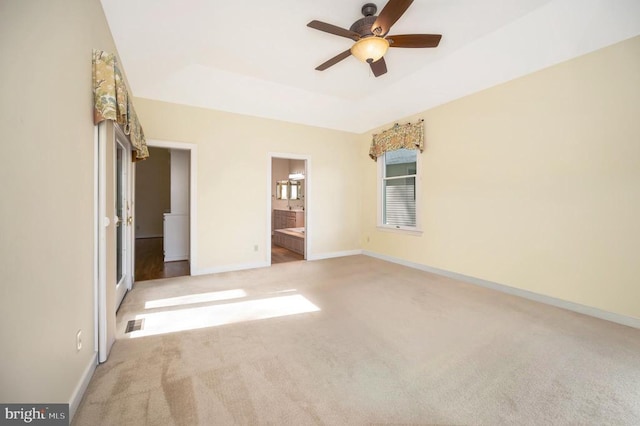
{"x": 122, "y": 219}
{"x": 114, "y": 249}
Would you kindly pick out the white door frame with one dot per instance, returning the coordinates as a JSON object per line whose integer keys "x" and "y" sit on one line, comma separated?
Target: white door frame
{"x": 97, "y": 234}
{"x": 270, "y": 191}
{"x": 103, "y": 221}
{"x": 193, "y": 194}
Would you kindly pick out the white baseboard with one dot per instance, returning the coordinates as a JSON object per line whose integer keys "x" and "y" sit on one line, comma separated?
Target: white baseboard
{"x": 334, "y": 254}
{"x": 549, "y": 300}
{"x": 229, "y": 268}
{"x": 82, "y": 385}
{"x": 140, "y": 237}
{"x": 254, "y": 265}
{"x": 176, "y": 258}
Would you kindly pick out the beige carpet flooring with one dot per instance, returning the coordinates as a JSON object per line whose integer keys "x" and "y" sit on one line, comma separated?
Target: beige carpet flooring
{"x": 388, "y": 345}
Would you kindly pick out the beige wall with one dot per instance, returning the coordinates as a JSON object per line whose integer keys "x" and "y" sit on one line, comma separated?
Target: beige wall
{"x": 233, "y": 181}
{"x": 153, "y": 192}
{"x": 534, "y": 184}
{"x": 47, "y": 209}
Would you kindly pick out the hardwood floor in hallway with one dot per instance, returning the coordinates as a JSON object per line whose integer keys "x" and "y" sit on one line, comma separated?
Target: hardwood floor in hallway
{"x": 150, "y": 263}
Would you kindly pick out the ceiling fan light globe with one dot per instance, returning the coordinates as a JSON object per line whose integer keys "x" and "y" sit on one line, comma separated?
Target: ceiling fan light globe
{"x": 370, "y": 49}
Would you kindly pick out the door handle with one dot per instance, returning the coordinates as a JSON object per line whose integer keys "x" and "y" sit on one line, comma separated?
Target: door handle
{"x": 117, "y": 221}
{"x": 129, "y": 220}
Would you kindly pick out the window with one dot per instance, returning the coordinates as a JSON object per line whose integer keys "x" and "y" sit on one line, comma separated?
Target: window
{"x": 398, "y": 176}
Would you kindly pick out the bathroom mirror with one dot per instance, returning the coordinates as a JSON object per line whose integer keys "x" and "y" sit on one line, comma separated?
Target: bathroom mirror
{"x": 289, "y": 190}
{"x": 295, "y": 190}
{"x": 282, "y": 189}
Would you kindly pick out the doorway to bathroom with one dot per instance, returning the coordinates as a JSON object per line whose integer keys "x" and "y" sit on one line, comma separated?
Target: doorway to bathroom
{"x": 289, "y": 194}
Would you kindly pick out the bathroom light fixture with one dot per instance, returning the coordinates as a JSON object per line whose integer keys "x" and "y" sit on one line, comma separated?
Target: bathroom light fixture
{"x": 370, "y": 49}
{"x": 296, "y": 176}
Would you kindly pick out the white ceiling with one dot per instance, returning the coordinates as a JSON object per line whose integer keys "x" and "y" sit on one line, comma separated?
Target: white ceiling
{"x": 258, "y": 57}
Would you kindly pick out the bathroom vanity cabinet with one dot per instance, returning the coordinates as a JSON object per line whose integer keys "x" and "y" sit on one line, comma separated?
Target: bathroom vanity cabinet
{"x": 288, "y": 219}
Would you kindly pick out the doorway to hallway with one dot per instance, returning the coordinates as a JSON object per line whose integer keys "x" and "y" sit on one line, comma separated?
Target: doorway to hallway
{"x": 162, "y": 214}
{"x": 150, "y": 264}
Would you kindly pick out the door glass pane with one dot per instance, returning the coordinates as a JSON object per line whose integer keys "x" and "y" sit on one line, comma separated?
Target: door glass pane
{"x": 119, "y": 211}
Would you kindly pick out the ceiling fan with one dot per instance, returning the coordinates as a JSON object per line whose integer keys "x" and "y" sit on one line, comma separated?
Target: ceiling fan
{"x": 370, "y": 36}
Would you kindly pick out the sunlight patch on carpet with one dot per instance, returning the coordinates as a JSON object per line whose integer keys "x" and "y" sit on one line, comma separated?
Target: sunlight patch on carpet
{"x": 190, "y": 299}
{"x": 221, "y": 314}
{"x": 291, "y": 290}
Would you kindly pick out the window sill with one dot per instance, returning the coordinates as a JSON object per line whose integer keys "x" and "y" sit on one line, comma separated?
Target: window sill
{"x": 406, "y": 231}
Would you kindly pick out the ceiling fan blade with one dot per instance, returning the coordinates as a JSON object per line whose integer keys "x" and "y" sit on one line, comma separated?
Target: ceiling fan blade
{"x": 334, "y": 60}
{"x": 391, "y": 12}
{"x": 414, "y": 40}
{"x": 332, "y": 29}
{"x": 379, "y": 67}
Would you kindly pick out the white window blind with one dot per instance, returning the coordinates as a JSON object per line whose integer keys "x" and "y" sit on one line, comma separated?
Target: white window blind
{"x": 399, "y": 188}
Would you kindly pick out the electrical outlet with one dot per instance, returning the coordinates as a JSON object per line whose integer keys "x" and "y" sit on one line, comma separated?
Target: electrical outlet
{"x": 255, "y": 248}
{"x": 79, "y": 340}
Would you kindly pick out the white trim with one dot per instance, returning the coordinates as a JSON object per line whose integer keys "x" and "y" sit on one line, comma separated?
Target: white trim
{"x": 255, "y": 265}
{"x": 269, "y": 214}
{"x": 411, "y": 230}
{"x": 400, "y": 230}
{"x": 537, "y": 297}
{"x": 132, "y": 226}
{"x": 231, "y": 268}
{"x": 193, "y": 193}
{"x": 308, "y": 235}
{"x": 103, "y": 345}
{"x": 142, "y": 237}
{"x": 96, "y": 234}
{"x": 176, "y": 258}
{"x": 289, "y": 156}
{"x": 333, "y": 254}
{"x": 81, "y": 387}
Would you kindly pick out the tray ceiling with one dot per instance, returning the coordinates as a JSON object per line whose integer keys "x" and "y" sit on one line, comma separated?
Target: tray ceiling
{"x": 258, "y": 58}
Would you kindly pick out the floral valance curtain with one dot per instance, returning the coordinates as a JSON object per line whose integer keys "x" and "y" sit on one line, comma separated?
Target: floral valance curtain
{"x": 111, "y": 100}
{"x": 407, "y": 136}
